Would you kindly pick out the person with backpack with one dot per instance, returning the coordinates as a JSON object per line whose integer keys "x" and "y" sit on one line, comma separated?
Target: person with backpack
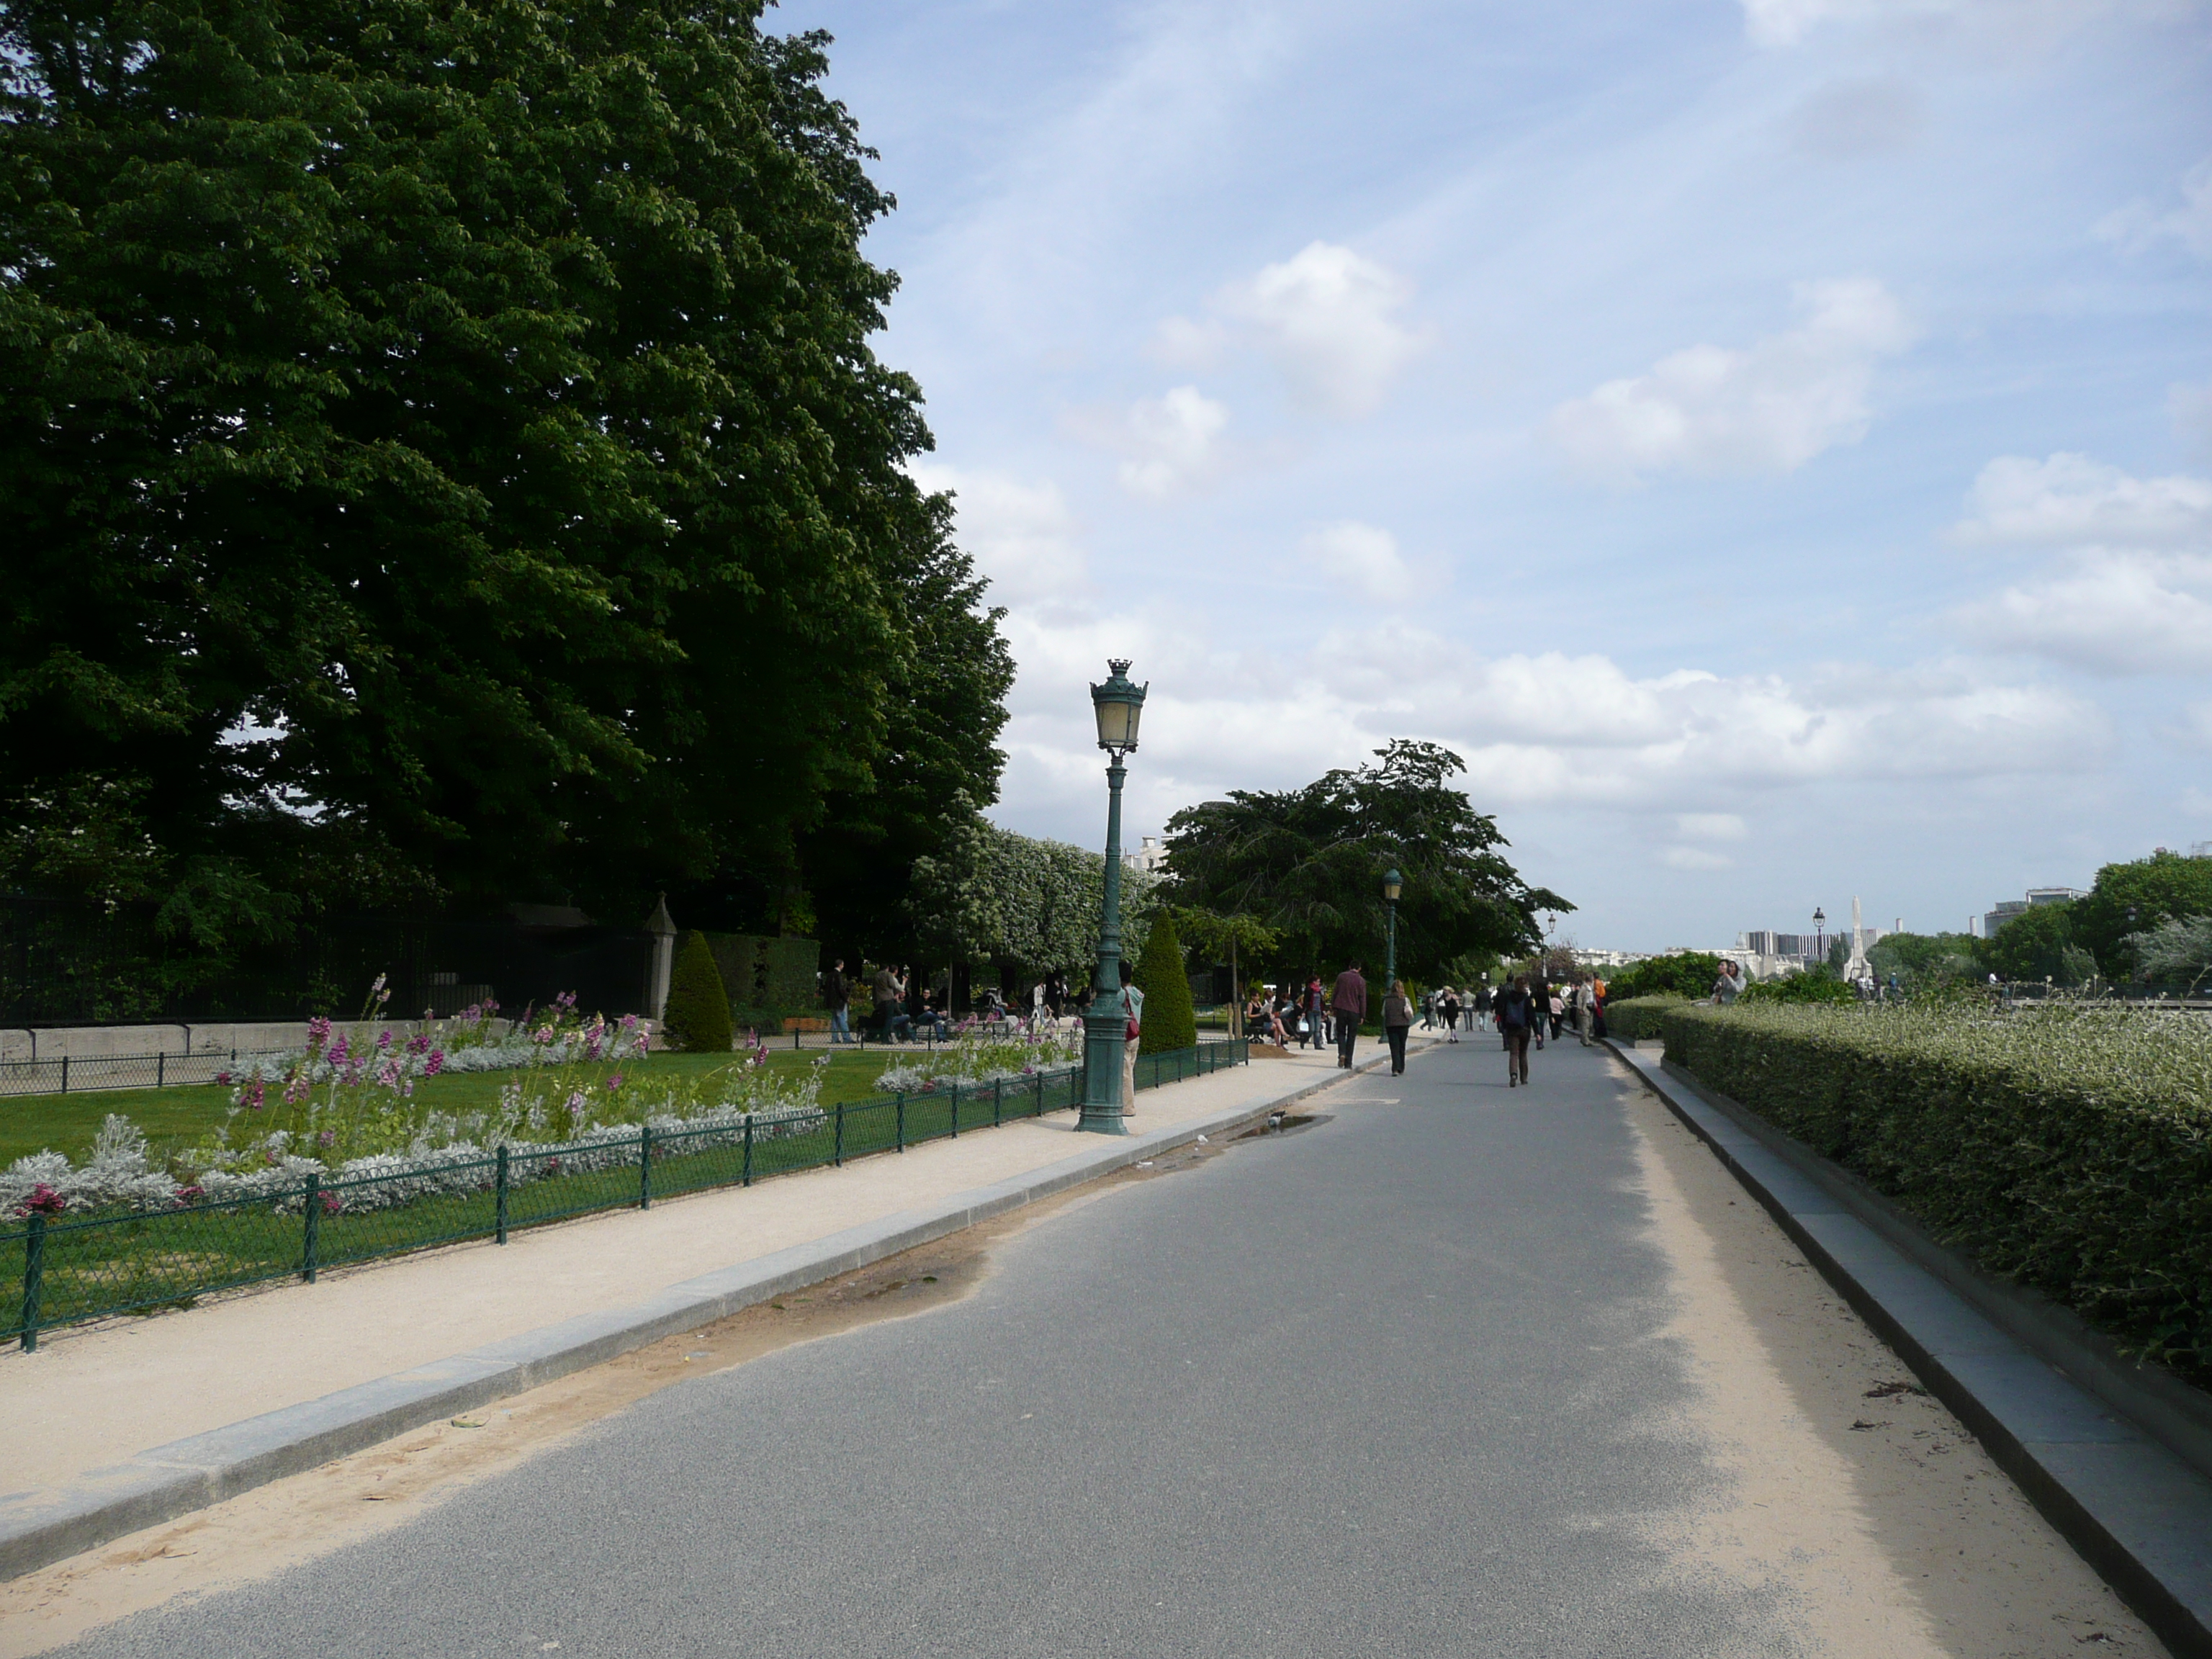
{"x": 1519, "y": 1018}
{"x": 1132, "y": 1017}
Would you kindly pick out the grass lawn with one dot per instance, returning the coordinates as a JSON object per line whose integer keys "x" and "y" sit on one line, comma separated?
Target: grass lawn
{"x": 186, "y": 1115}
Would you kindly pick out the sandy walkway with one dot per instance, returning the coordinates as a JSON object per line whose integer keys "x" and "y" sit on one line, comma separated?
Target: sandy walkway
{"x": 92, "y": 1395}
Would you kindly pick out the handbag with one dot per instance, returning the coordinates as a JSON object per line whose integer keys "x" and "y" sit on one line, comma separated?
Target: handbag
{"x": 1129, "y": 1027}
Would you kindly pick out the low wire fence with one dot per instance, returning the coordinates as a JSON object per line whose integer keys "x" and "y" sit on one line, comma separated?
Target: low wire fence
{"x": 74, "y": 1073}
{"x": 64, "y": 1270}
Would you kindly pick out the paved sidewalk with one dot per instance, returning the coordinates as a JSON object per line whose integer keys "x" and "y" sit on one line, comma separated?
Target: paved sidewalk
{"x": 91, "y": 1397}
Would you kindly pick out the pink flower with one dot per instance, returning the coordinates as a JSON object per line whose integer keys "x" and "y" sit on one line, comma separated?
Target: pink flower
{"x": 338, "y": 1052}
{"x": 383, "y": 1041}
{"x": 614, "y": 1082}
{"x": 185, "y": 1195}
{"x": 296, "y": 1089}
{"x": 43, "y": 1200}
{"x": 222, "y": 1078}
{"x": 328, "y": 1138}
{"x": 332, "y": 1204}
{"x": 630, "y": 1021}
{"x": 435, "y": 1064}
{"x": 319, "y": 1031}
{"x": 255, "y": 1095}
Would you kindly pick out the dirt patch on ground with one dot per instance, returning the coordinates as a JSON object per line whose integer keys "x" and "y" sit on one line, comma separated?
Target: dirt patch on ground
{"x": 1878, "y": 1524}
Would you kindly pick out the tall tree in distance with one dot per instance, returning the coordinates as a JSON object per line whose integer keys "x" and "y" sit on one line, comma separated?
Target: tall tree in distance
{"x": 1308, "y": 864}
{"x": 443, "y": 454}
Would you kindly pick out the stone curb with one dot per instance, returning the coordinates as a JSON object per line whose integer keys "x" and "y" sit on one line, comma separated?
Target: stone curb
{"x": 2133, "y": 1507}
{"x": 187, "y": 1474}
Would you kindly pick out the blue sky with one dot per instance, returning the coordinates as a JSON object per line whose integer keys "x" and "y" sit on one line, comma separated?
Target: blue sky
{"x": 1770, "y": 440}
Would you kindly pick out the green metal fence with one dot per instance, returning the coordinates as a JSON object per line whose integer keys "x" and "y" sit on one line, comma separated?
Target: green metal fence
{"x": 62, "y": 1270}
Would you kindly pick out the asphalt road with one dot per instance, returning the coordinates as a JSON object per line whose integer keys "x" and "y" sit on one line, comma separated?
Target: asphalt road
{"x": 1386, "y": 1385}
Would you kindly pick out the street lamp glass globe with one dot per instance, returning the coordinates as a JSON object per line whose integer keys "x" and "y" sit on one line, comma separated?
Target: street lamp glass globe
{"x": 1392, "y": 881}
{"x": 1119, "y": 704}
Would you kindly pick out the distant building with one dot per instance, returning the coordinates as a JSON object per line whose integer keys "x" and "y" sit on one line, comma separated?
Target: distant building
{"x": 2010, "y": 909}
{"x": 1148, "y": 855}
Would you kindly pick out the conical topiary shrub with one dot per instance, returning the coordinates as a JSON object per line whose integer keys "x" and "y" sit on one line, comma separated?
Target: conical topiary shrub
{"x": 1171, "y": 1022}
{"x": 697, "y": 1016}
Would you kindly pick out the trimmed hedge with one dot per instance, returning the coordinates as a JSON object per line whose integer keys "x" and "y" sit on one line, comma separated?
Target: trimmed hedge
{"x": 1171, "y": 1022}
{"x": 2066, "y": 1147}
{"x": 1639, "y": 1016}
{"x": 697, "y": 1018}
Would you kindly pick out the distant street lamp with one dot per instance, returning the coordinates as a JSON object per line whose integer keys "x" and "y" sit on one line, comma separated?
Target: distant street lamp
{"x": 1392, "y": 882}
{"x": 1820, "y": 935}
{"x": 1118, "y": 704}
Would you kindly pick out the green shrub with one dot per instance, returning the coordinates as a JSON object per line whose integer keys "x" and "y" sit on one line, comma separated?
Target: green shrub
{"x": 1169, "y": 1021}
{"x": 1632, "y": 1017}
{"x": 697, "y": 1018}
{"x": 2068, "y": 1147}
{"x": 1818, "y": 986}
{"x": 1690, "y": 974}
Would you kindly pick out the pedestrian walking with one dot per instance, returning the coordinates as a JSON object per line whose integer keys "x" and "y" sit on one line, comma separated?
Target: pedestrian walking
{"x": 1316, "y": 1012}
{"x": 837, "y": 997}
{"x": 1585, "y": 1013}
{"x": 1347, "y": 1006}
{"x": 1397, "y": 1018}
{"x": 1518, "y": 1018}
{"x": 1133, "y": 1020}
{"x": 1453, "y": 1009}
{"x": 1558, "y": 1010}
{"x": 1428, "y": 1010}
{"x": 1540, "y": 992}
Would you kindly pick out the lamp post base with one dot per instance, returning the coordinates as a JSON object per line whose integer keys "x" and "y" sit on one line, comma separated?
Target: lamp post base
{"x": 1101, "y": 1121}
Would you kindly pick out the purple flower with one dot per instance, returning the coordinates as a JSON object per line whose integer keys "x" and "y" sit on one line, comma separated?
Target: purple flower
{"x": 614, "y": 1082}
{"x": 332, "y": 1204}
{"x": 328, "y": 1138}
{"x": 185, "y": 1195}
{"x": 435, "y": 1064}
{"x": 43, "y": 1200}
{"x": 319, "y": 1031}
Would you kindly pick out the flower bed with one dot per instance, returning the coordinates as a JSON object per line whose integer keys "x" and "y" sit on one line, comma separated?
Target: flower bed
{"x": 2069, "y": 1147}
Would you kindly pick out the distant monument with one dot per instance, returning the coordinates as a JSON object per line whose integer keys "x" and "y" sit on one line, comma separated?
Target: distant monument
{"x": 1857, "y": 970}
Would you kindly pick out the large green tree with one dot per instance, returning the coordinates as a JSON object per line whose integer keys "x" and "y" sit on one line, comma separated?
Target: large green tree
{"x": 2137, "y": 897}
{"x": 441, "y": 450}
{"x": 1309, "y": 864}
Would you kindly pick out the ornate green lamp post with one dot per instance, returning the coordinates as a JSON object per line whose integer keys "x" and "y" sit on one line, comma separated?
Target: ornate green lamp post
{"x": 1392, "y": 882}
{"x": 1118, "y": 704}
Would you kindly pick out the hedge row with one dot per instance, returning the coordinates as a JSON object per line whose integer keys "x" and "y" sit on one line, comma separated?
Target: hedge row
{"x": 2068, "y": 1148}
{"x": 1639, "y": 1016}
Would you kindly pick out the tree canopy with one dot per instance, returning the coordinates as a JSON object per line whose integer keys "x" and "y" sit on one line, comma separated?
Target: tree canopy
{"x": 443, "y": 457}
{"x": 1309, "y": 864}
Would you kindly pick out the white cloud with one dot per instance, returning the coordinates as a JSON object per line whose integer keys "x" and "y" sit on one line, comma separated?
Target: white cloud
{"x": 1022, "y": 535}
{"x": 1328, "y": 317}
{"x": 2195, "y": 729}
{"x": 1169, "y": 441}
{"x": 1535, "y": 730}
{"x": 2073, "y": 500}
{"x": 2139, "y": 226}
{"x": 1694, "y": 858}
{"x": 2112, "y": 612}
{"x": 2190, "y": 407}
{"x": 1362, "y": 553}
{"x": 1770, "y": 408}
{"x": 1710, "y": 826}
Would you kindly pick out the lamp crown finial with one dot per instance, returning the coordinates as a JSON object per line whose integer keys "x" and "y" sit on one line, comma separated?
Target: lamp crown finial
{"x": 1117, "y": 664}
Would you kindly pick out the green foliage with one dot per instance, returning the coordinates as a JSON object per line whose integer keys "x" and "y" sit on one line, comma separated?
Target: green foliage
{"x": 1813, "y": 986}
{"x": 697, "y": 1018}
{"x": 2032, "y": 945}
{"x": 1689, "y": 974}
{"x": 2178, "y": 950}
{"x": 765, "y": 976}
{"x": 1171, "y": 1022}
{"x": 2068, "y": 1146}
{"x": 1029, "y": 906}
{"x": 473, "y": 408}
{"x": 1308, "y": 864}
{"x": 1628, "y": 1020}
{"x": 1923, "y": 960}
{"x": 2164, "y": 887}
